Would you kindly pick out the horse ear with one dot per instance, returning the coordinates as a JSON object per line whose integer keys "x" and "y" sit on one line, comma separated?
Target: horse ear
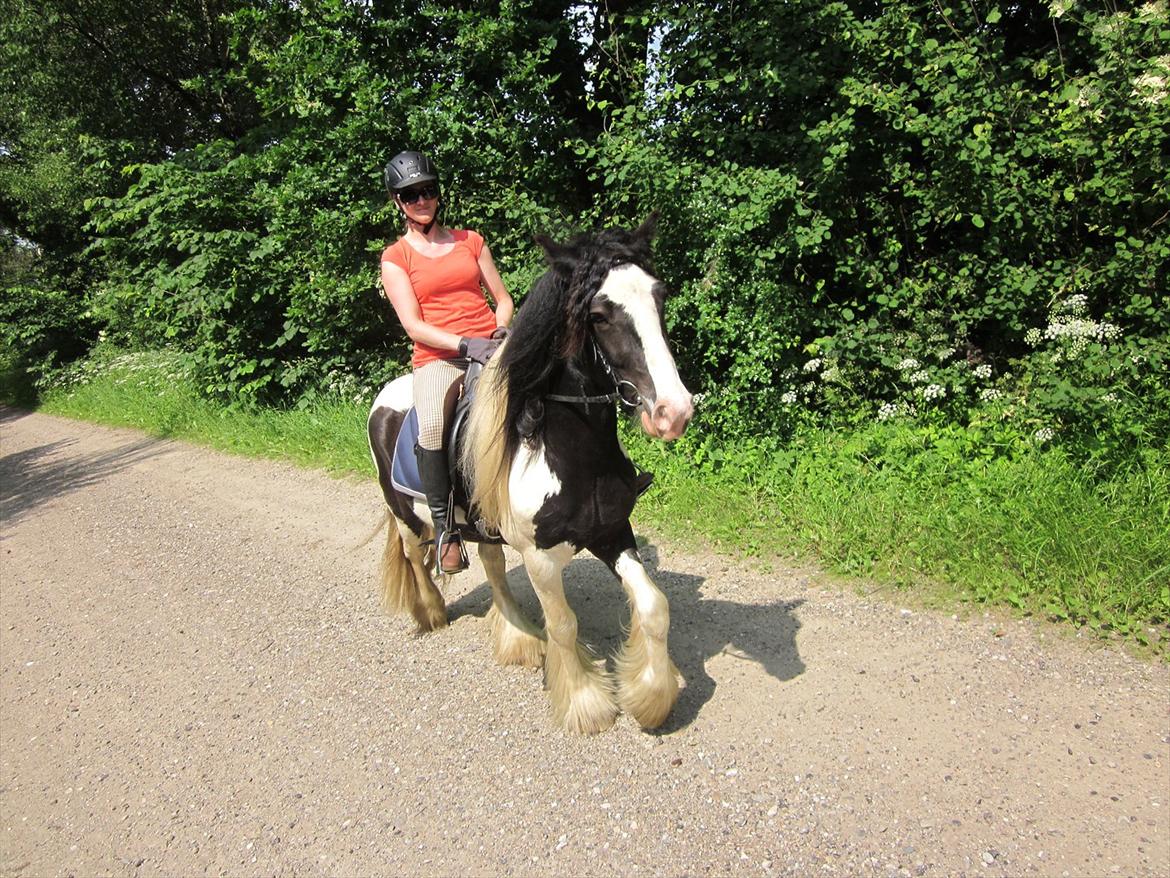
{"x": 645, "y": 232}
{"x": 559, "y": 256}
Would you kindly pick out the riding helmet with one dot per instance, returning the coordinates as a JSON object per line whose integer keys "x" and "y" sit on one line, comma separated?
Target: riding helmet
{"x": 408, "y": 168}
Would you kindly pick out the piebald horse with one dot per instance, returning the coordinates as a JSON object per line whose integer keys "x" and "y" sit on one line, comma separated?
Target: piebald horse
{"x": 545, "y": 470}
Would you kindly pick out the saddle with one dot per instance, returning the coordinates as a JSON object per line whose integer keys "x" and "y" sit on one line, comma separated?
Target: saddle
{"x": 404, "y": 468}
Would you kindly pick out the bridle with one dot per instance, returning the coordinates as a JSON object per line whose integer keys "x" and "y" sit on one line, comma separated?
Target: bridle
{"x": 621, "y": 387}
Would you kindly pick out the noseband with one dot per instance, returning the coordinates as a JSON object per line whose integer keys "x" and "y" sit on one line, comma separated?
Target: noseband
{"x": 621, "y": 387}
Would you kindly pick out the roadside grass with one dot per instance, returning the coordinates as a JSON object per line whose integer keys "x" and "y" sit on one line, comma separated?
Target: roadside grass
{"x": 1031, "y": 530}
{"x": 152, "y": 392}
{"x": 944, "y": 514}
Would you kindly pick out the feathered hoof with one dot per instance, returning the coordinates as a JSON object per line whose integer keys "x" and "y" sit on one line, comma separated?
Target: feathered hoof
{"x": 650, "y": 697}
{"x": 512, "y": 644}
{"x": 430, "y": 618}
{"x": 583, "y": 699}
{"x": 591, "y": 710}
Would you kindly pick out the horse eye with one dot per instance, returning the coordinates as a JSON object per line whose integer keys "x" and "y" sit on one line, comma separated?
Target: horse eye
{"x": 596, "y": 317}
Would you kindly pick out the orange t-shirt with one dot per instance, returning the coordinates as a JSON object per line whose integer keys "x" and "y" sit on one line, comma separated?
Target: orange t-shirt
{"x": 448, "y": 291}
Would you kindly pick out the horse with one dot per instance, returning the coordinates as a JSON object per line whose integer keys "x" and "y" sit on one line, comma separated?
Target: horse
{"x": 545, "y": 470}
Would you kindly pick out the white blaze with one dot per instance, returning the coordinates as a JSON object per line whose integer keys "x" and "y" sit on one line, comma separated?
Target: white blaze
{"x": 632, "y": 288}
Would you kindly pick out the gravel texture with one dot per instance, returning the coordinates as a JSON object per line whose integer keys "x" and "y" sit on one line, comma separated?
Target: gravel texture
{"x": 196, "y": 677}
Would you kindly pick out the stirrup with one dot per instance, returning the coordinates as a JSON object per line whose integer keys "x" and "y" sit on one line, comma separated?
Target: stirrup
{"x": 443, "y": 542}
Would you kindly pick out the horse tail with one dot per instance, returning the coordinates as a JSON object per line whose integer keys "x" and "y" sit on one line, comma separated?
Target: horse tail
{"x": 407, "y": 586}
{"x": 484, "y": 458}
{"x": 398, "y": 584}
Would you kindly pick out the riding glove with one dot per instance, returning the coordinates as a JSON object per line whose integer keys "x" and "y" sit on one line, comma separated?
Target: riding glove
{"x": 479, "y": 350}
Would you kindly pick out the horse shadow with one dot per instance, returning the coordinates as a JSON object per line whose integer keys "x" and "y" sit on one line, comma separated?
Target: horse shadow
{"x": 701, "y": 627}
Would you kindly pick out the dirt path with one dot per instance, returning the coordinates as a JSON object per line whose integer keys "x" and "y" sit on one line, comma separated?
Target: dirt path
{"x": 196, "y": 678}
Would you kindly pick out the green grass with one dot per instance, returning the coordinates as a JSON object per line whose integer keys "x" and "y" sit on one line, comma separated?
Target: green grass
{"x": 944, "y": 513}
{"x": 151, "y": 392}
{"x": 948, "y": 515}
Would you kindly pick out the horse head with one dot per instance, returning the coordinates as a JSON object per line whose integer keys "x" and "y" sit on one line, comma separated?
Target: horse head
{"x": 614, "y": 325}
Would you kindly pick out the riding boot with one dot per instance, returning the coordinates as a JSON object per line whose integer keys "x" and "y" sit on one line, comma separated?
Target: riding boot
{"x": 436, "y": 479}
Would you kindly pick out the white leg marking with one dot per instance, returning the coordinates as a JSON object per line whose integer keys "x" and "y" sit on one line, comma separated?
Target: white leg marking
{"x": 647, "y": 678}
{"x": 515, "y": 640}
{"x": 581, "y": 692}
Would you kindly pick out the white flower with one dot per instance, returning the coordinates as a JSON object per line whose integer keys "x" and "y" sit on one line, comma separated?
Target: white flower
{"x": 1109, "y": 397}
{"x": 933, "y": 391}
{"x": 789, "y": 398}
{"x": 813, "y": 365}
{"x": 920, "y": 377}
{"x": 982, "y": 371}
{"x": 887, "y": 411}
{"x": 831, "y": 374}
{"x": 990, "y": 394}
{"x": 1032, "y": 337}
{"x": 907, "y": 364}
{"x": 1150, "y": 88}
{"x": 1108, "y": 331}
{"x": 1044, "y": 434}
{"x": 1078, "y": 303}
{"x": 1149, "y": 11}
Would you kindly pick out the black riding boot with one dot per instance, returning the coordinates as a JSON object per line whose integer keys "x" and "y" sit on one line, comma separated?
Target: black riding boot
{"x": 436, "y": 479}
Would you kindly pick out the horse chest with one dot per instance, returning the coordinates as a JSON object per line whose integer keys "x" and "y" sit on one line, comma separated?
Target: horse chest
{"x": 595, "y": 497}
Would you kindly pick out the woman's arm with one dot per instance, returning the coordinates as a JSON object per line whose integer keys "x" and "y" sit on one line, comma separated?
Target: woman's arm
{"x": 400, "y": 292}
{"x": 490, "y": 278}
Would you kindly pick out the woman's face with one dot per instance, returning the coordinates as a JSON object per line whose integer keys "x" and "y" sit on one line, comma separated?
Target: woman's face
{"x": 420, "y": 203}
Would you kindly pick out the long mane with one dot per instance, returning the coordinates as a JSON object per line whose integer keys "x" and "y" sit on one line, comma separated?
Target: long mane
{"x": 550, "y": 330}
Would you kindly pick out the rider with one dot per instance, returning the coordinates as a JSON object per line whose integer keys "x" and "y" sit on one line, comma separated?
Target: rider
{"x": 435, "y": 278}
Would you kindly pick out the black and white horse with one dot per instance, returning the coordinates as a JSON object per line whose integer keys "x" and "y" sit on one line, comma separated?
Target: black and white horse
{"x": 545, "y": 470}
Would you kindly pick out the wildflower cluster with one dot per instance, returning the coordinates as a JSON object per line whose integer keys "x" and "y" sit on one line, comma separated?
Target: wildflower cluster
{"x": 145, "y": 369}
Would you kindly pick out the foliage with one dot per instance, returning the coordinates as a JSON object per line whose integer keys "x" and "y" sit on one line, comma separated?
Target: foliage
{"x": 846, "y": 188}
{"x": 41, "y": 326}
{"x": 919, "y": 184}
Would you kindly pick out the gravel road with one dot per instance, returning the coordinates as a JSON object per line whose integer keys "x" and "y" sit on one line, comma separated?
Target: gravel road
{"x": 196, "y": 678}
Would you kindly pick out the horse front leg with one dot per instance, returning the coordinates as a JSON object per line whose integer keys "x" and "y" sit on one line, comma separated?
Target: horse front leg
{"x": 581, "y": 692}
{"x": 515, "y": 640}
{"x": 647, "y": 678}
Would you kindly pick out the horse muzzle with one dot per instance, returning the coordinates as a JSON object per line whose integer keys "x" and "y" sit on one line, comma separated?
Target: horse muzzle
{"x": 667, "y": 419}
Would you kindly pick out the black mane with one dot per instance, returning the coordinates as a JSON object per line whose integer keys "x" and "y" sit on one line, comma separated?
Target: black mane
{"x": 552, "y": 323}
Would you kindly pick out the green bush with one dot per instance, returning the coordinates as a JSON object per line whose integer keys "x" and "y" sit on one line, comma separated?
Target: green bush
{"x": 41, "y": 330}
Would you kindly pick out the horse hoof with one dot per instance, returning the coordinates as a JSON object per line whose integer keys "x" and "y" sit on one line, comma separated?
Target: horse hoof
{"x": 650, "y": 705}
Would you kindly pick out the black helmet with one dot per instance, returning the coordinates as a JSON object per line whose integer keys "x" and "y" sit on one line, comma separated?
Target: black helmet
{"x": 408, "y": 168}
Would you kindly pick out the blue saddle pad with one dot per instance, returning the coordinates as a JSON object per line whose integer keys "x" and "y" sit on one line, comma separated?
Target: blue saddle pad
{"x": 404, "y": 470}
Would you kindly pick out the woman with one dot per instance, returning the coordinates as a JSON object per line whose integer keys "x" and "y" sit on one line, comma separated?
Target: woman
{"x": 435, "y": 278}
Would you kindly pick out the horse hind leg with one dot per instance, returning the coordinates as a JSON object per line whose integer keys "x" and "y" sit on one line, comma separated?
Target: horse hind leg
{"x": 407, "y": 586}
{"x": 581, "y": 692}
{"x": 515, "y": 640}
{"x": 647, "y": 678}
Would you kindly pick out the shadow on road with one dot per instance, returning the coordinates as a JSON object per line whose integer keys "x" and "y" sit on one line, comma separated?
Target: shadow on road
{"x": 37, "y": 475}
{"x": 701, "y": 627}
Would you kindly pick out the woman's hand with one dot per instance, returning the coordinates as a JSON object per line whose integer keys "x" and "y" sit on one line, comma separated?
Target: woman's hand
{"x": 478, "y": 350}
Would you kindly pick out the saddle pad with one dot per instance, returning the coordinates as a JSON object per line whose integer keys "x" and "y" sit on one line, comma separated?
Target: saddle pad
{"x": 404, "y": 470}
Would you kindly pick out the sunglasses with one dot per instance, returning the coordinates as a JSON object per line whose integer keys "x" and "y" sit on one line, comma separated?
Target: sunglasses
{"x": 410, "y": 196}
